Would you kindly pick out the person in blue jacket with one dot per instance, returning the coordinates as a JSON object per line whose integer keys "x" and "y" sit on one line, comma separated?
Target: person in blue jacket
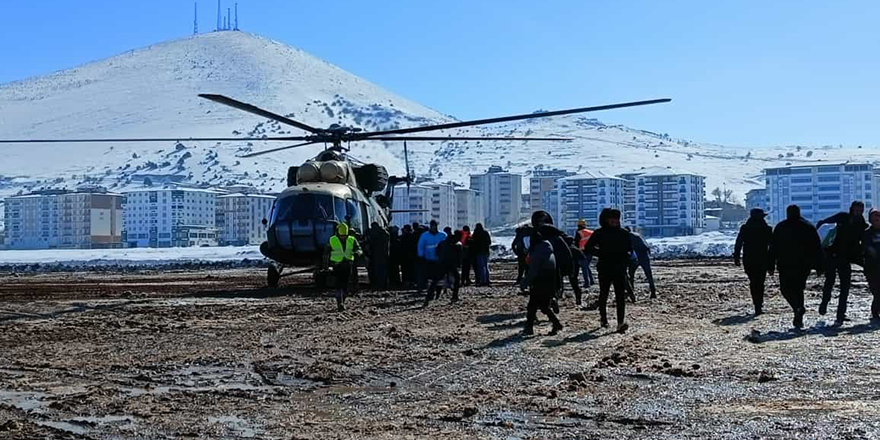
{"x": 428, "y": 243}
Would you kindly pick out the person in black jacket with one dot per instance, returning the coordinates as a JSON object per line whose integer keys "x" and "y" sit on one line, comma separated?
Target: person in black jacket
{"x": 795, "y": 250}
{"x": 480, "y": 243}
{"x": 754, "y": 242}
{"x": 542, "y": 221}
{"x": 642, "y": 259}
{"x": 450, "y": 257}
{"x": 613, "y": 246}
{"x": 394, "y": 257}
{"x": 379, "y": 240}
{"x": 409, "y": 244}
{"x": 845, "y": 250}
{"x": 520, "y": 248}
{"x": 541, "y": 281}
{"x": 871, "y": 246}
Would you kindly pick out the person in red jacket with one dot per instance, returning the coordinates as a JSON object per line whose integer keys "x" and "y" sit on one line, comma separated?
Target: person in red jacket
{"x": 580, "y": 241}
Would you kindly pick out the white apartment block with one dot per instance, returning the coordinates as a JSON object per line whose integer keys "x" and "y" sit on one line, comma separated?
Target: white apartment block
{"x": 670, "y": 202}
{"x": 240, "y": 218}
{"x": 820, "y": 190}
{"x": 501, "y": 193}
{"x": 164, "y": 217}
{"x": 757, "y": 198}
{"x": 629, "y": 199}
{"x": 469, "y": 207}
{"x": 443, "y": 205}
{"x": 64, "y": 220}
{"x": 585, "y": 195}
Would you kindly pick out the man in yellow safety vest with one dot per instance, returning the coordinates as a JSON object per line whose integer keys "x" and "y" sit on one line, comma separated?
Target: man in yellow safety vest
{"x": 343, "y": 250}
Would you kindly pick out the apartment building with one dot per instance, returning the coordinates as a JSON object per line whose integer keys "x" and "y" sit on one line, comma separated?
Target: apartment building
{"x": 540, "y": 184}
{"x": 469, "y": 208}
{"x": 757, "y": 198}
{"x": 820, "y": 190}
{"x": 501, "y": 193}
{"x": 60, "y": 219}
{"x": 167, "y": 217}
{"x": 585, "y": 195}
{"x": 670, "y": 202}
{"x": 240, "y": 218}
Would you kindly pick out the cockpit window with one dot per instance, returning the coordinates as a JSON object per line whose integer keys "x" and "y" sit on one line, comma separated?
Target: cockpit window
{"x": 308, "y": 207}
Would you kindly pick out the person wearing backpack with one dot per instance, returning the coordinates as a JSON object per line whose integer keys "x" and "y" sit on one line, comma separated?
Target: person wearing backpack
{"x": 542, "y": 280}
{"x": 543, "y": 222}
{"x": 613, "y": 246}
{"x": 845, "y": 250}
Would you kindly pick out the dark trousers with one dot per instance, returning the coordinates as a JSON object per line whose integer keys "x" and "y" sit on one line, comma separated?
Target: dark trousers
{"x": 421, "y": 273}
{"x": 540, "y": 294}
{"x": 453, "y": 281}
{"x": 586, "y": 271}
{"x": 342, "y": 277}
{"x": 481, "y": 269}
{"x": 757, "y": 280}
{"x": 394, "y": 272}
{"x": 615, "y": 276}
{"x": 521, "y": 268}
{"x": 466, "y": 263}
{"x": 873, "y": 277}
{"x": 433, "y": 274}
{"x": 792, "y": 283}
{"x": 575, "y": 287}
{"x": 379, "y": 273}
{"x": 838, "y": 267}
{"x": 645, "y": 264}
{"x": 407, "y": 270}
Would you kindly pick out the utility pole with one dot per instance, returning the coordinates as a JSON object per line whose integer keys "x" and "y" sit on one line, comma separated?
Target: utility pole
{"x": 196, "y": 19}
{"x": 236, "y": 16}
{"x": 228, "y": 18}
{"x": 218, "y": 16}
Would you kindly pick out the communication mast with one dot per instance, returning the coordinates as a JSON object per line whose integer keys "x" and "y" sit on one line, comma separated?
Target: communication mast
{"x": 236, "y": 16}
{"x": 196, "y": 19}
{"x": 218, "y": 16}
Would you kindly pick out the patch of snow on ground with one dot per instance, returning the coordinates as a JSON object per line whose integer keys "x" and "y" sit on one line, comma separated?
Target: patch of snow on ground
{"x": 130, "y": 257}
{"x": 708, "y": 244}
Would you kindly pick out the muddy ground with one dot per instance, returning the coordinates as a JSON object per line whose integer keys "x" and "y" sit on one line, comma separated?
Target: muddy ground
{"x": 210, "y": 354}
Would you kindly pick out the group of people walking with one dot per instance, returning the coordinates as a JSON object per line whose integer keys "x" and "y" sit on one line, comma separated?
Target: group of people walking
{"x": 795, "y": 250}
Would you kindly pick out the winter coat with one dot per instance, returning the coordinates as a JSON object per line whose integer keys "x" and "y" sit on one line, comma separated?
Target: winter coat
{"x": 519, "y": 246}
{"x": 480, "y": 242}
{"x": 612, "y": 245}
{"x": 871, "y": 248}
{"x": 379, "y": 244}
{"x": 640, "y": 247}
{"x": 754, "y": 242}
{"x": 450, "y": 253}
{"x": 428, "y": 243}
{"x": 795, "y": 245}
{"x": 847, "y": 239}
{"x": 542, "y": 261}
{"x": 559, "y": 241}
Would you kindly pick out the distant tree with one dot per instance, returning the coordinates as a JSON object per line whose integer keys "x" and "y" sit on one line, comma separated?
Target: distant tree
{"x": 809, "y": 153}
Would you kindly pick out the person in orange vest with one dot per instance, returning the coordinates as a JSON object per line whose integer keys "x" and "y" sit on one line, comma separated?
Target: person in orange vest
{"x": 580, "y": 241}
{"x": 343, "y": 248}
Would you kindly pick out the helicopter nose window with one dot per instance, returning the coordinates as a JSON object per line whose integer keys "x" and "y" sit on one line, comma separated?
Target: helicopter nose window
{"x": 303, "y": 207}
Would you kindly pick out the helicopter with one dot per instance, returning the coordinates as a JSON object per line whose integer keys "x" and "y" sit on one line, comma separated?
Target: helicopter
{"x": 334, "y": 187}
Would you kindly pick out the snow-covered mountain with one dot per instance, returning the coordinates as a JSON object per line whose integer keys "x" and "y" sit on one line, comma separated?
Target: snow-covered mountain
{"x": 152, "y": 92}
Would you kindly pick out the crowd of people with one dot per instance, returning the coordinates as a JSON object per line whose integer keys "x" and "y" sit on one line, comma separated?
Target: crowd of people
{"x": 433, "y": 261}
{"x": 794, "y": 249}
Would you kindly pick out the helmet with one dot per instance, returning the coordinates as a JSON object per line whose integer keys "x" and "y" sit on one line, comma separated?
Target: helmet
{"x": 342, "y": 229}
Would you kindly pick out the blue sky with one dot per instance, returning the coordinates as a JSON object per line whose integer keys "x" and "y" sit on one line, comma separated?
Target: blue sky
{"x": 745, "y": 72}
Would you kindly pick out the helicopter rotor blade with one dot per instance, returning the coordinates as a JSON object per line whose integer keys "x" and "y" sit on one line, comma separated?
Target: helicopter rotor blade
{"x": 511, "y": 118}
{"x": 273, "y": 150}
{"x": 461, "y": 138}
{"x": 258, "y": 111}
{"x": 121, "y": 140}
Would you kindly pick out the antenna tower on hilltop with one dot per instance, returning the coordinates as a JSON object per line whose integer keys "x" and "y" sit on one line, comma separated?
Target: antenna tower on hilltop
{"x": 196, "y": 19}
{"x": 228, "y": 18}
{"x": 236, "y": 16}
{"x": 218, "y": 16}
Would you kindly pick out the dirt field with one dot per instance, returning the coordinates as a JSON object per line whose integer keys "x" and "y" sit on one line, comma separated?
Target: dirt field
{"x": 209, "y": 354}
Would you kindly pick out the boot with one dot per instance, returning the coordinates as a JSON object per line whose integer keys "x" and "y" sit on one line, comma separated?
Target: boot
{"x": 554, "y": 305}
{"x": 603, "y": 321}
{"x": 823, "y": 308}
{"x": 654, "y": 294}
{"x": 557, "y": 327}
{"x": 340, "y": 306}
{"x": 759, "y": 311}
{"x": 622, "y": 328}
{"x": 799, "y": 318}
{"x": 528, "y": 330}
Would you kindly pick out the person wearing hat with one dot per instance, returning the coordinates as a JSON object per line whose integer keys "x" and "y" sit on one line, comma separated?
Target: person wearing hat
{"x": 344, "y": 248}
{"x": 753, "y": 242}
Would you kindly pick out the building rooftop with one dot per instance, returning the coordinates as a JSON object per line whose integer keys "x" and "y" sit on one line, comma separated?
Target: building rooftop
{"x": 663, "y": 171}
{"x": 259, "y": 196}
{"x": 818, "y": 164}
{"x": 590, "y": 175}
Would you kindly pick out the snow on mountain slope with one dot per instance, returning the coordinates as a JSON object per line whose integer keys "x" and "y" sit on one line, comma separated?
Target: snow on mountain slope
{"x": 151, "y": 92}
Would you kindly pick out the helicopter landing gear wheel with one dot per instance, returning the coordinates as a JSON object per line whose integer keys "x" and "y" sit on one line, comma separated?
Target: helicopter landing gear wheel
{"x": 272, "y": 277}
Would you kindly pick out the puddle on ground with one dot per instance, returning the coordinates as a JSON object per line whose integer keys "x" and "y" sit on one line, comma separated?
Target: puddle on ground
{"x": 240, "y": 426}
{"x": 23, "y": 400}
